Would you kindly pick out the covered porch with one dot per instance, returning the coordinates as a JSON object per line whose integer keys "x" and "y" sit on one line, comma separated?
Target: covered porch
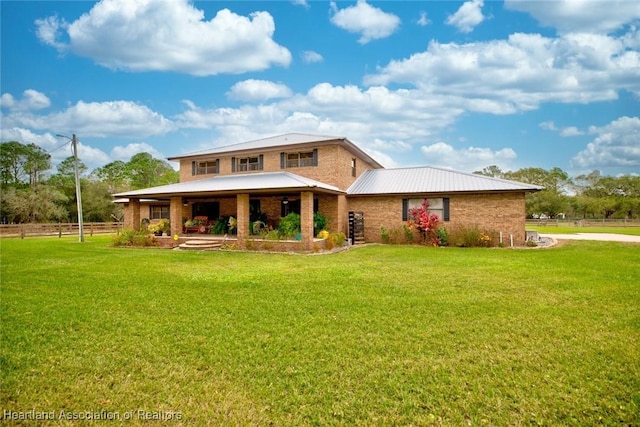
{"x": 263, "y": 197}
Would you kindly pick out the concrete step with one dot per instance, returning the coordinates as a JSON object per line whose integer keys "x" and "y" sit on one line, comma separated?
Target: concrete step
{"x": 200, "y": 245}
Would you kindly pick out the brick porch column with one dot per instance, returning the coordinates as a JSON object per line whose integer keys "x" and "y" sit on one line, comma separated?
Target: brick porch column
{"x": 306, "y": 219}
{"x": 242, "y": 215}
{"x": 343, "y": 215}
{"x": 132, "y": 215}
{"x": 175, "y": 215}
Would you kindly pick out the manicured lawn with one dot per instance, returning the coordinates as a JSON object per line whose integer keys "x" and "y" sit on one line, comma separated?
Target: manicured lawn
{"x": 379, "y": 335}
{"x": 552, "y": 229}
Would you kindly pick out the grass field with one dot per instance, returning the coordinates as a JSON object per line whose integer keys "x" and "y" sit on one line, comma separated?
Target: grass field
{"x": 379, "y": 335}
{"x": 552, "y": 229}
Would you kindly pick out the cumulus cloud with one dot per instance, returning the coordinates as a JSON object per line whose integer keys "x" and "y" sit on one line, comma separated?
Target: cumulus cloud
{"x": 94, "y": 119}
{"x": 584, "y": 16}
{"x": 468, "y": 16}
{"x": 31, "y": 100}
{"x": 309, "y": 57}
{"x": 466, "y": 159}
{"x": 125, "y": 153}
{"x": 158, "y": 35}
{"x": 571, "y": 131}
{"x": 616, "y": 144}
{"x": 520, "y": 73}
{"x": 258, "y": 90}
{"x": 423, "y": 21}
{"x": 372, "y": 23}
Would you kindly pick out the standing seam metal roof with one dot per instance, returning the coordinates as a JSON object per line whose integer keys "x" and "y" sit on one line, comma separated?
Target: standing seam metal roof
{"x": 429, "y": 180}
{"x": 244, "y": 182}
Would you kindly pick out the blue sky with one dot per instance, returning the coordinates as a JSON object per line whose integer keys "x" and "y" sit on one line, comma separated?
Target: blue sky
{"x": 461, "y": 85}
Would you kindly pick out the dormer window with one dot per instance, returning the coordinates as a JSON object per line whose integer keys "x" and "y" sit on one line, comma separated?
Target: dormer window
{"x": 206, "y": 167}
{"x": 299, "y": 160}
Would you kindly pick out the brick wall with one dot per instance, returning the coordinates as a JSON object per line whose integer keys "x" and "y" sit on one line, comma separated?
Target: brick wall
{"x": 334, "y": 165}
{"x": 490, "y": 212}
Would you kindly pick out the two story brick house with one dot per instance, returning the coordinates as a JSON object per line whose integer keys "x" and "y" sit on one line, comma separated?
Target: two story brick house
{"x": 307, "y": 173}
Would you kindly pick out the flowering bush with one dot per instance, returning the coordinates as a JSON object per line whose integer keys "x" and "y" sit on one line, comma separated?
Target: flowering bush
{"x": 425, "y": 222}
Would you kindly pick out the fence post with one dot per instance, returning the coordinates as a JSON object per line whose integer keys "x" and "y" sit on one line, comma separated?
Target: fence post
{"x": 91, "y": 229}
{"x": 59, "y": 230}
{"x": 22, "y": 231}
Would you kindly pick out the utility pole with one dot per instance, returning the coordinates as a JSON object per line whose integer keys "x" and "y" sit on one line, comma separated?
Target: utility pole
{"x": 74, "y": 147}
{"x": 74, "y": 142}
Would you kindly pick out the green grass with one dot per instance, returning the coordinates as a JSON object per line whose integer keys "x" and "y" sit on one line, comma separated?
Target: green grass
{"x": 552, "y": 229}
{"x": 379, "y": 335}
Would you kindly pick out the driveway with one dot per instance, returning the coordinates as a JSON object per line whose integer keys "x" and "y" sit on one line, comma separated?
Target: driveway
{"x": 605, "y": 237}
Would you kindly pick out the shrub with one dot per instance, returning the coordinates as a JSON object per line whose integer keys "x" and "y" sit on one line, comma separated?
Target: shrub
{"x": 290, "y": 225}
{"x": 384, "y": 235}
{"x": 319, "y": 222}
{"x": 129, "y": 237}
{"x": 408, "y": 234}
{"x": 425, "y": 222}
{"x": 471, "y": 237}
{"x": 443, "y": 236}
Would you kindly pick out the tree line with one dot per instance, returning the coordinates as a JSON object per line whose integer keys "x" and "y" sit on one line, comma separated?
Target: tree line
{"x": 586, "y": 196}
{"x": 31, "y": 193}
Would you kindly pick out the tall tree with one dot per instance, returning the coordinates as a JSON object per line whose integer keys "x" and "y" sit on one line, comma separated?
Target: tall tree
{"x": 22, "y": 164}
{"x": 146, "y": 171}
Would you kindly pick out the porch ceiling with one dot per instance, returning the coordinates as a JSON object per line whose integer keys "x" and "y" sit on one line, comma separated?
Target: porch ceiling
{"x": 266, "y": 182}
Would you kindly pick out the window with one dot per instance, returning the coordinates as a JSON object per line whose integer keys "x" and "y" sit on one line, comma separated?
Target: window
{"x": 205, "y": 167}
{"x": 299, "y": 160}
{"x": 159, "y": 212}
{"x": 353, "y": 167}
{"x": 438, "y": 206}
{"x": 245, "y": 164}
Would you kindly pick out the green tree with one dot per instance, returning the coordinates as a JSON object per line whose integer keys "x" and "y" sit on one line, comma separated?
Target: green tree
{"x": 22, "y": 164}
{"x": 146, "y": 171}
{"x": 39, "y": 203}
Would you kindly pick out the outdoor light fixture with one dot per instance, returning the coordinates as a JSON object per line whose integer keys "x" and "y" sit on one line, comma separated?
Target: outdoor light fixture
{"x": 285, "y": 200}
{"x": 185, "y": 202}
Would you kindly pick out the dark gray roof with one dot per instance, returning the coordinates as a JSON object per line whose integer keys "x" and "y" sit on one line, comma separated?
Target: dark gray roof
{"x": 429, "y": 180}
{"x": 233, "y": 184}
{"x": 275, "y": 142}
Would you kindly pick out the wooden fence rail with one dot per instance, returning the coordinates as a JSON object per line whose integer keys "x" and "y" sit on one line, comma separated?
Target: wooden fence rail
{"x": 58, "y": 229}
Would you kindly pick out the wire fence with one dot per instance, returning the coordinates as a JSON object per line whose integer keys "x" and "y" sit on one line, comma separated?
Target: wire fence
{"x": 584, "y": 222}
{"x": 58, "y": 229}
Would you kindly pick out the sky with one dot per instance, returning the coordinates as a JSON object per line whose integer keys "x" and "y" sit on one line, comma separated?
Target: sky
{"x": 459, "y": 85}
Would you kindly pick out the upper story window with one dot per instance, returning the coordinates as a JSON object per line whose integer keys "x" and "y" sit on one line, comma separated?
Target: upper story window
{"x": 353, "y": 167}
{"x": 299, "y": 159}
{"x": 246, "y": 164}
{"x": 205, "y": 167}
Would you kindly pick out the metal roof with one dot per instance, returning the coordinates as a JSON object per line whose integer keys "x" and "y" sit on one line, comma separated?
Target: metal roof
{"x": 275, "y": 142}
{"x": 254, "y": 182}
{"x": 429, "y": 180}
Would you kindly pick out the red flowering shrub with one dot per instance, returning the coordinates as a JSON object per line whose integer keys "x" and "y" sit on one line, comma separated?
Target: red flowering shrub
{"x": 425, "y": 222}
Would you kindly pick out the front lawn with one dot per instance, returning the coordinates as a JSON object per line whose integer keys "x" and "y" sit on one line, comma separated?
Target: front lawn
{"x": 378, "y": 335}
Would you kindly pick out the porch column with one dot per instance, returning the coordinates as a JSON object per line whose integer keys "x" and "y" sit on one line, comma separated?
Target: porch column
{"x": 175, "y": 215}
{"x": 242, "y": 210}
{"x": 306, "y": 219}
{"x": 343, "y": 215}
{"x": 132, "y": 215}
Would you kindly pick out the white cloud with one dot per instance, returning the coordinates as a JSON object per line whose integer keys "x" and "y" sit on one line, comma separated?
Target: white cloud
{"x": 124, "y": 153}
{"x": 571, "y": 131}
{"x": 549, "y": 125}
{"x": 468, "y": 16}
{"x": 94, "y": 119}
{"x": 156, "y": 35}
{"x": 258, "y": 90}
{"x": 31, "y": 100}
{"x": 423, "y": 21}
{"x": 309, "y": 57}
{"x": 616, "y": 144}
{"x": 372, "y": 23}
{"x": 584, "y": 16}
{"x": 466, "y": 159}
{"x": 520, "y": 73}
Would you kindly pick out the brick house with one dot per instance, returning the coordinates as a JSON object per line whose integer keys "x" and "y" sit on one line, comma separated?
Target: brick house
{"x": 306, "y": 173}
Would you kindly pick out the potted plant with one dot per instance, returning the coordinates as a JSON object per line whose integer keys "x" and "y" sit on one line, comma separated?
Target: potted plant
{"x": 165, "y": 226}
{"x": 155, "y": 229}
